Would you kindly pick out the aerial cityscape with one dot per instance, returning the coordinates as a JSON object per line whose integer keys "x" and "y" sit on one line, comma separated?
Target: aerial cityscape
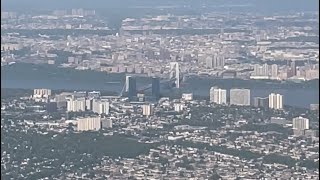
{"x": 160, "y": 90}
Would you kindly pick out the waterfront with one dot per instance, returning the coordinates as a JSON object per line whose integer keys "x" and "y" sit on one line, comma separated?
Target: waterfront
{"x": 29, "y": 76}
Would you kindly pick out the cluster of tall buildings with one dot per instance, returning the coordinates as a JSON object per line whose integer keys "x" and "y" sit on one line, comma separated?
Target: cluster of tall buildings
{"x": 218, "y": 96}
{"x": 89, "y": 124}
{"x": 266, "y": 71}
{"x": 241, "y": 97}
{"x": 79, "y": 101}
{"x": 291, "y": 70}
{"x": 41, "y": 93}
{"x": 300, "y": 126}
{"x": 76, "y": 104}
{"x": 272, "y": 71}
{"x": 275, "y": 101}
{"x": 215, "y": 62}
{"x": 93, "y": 123}
{"x": 99, "y": 106}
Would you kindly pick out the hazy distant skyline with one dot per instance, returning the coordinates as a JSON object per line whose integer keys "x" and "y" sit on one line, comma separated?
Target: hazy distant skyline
{"x": 263, "y": 5}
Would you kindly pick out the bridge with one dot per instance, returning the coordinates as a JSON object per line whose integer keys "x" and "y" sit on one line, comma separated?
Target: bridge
{"x": 174, "y": 78}
{"x": 147, "y": 87}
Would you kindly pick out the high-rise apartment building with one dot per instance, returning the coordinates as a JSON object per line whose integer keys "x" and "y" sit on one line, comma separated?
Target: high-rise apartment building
{"x": 265, "y": 69}
{"x": 61, "y": 99}
{"x": 89, "y": 124}
{"x": 240, "y": 97}
{"x": 76, "y": 104}
{"x": 293, "y": 68}
{"x": 89, "y": 104}
{"x": 156, "y": 87}
{"x": 261, "y": 70}
{"x": 216, "y": 61}
{"x": 211, "y": 94}
{"x": 218, "y": 96}
{"x": 300, "y": 123}
{"x": 274, "y": 71}
{"x": 41, "y": 93}
{"x": 100, "y": 106}
{"x": 275, "y": 101}
{"x": 147, "y": 109}
{"x": 257, "y": 70}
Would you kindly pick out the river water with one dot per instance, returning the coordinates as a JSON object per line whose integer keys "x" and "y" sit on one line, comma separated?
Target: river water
{"x": 34, "y": 76}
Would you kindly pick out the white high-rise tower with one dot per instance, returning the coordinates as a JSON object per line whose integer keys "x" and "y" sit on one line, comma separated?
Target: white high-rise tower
{"x": 275, "y": 101}
{"x": 300, "y": 123}
{"x": 218, "y": 96}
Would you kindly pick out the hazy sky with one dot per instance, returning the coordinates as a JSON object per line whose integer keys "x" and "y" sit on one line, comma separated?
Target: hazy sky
{"x": 293, "y": 5}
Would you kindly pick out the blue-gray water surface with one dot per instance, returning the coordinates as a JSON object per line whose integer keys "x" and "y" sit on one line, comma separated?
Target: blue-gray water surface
{"x": 29, "y": 76}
